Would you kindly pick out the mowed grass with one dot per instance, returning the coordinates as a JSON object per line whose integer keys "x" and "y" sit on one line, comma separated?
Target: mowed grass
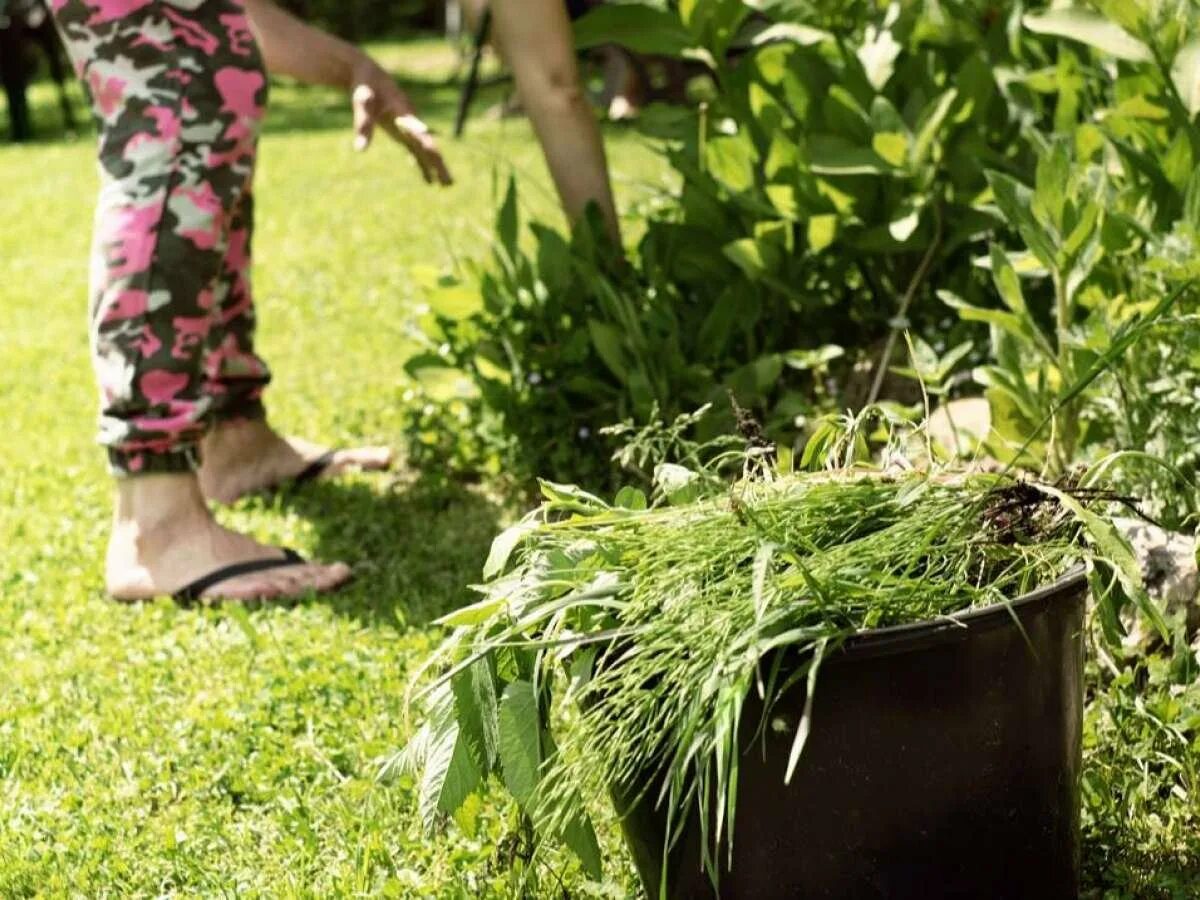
{"x": 153, "y": 751}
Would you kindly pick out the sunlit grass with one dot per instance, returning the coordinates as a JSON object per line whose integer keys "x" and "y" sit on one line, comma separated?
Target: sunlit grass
{"x": 152, "y": 751}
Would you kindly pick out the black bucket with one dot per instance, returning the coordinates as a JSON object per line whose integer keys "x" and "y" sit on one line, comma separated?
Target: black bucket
{"x": 943, "y": 762}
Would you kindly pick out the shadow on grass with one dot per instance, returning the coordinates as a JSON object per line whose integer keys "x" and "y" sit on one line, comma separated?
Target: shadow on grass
{"x": 416, "y": 545}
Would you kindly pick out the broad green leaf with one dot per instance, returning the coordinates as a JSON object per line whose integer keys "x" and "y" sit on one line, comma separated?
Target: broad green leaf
{"x": 903, "y": 227}
{"x": 507, "y": 220}
{"x": 503, "y": 546}
{"x": 609, "y": 343}
{"x": 490, "y": 370}
{"x": 930, "y": 125}
{"x": 746, "y": 254}
{"x": 878, "y": 54}
{"x": 731, "y": 160}
{"x": 580, "y": 838}
{"x": 1016, "y": 202}
{"x": 475, "y": 614}
{"x": 1007, "y": 282}
{"x": 783, "y": 198}
{"x": 1053, "y": 178}
{"x": 999, "y": 318}
{"x": 833, "y": 155}
{"x": 520, "y": 741}
{"x": 1191, "y": 202}
{"x": 782, "y": 154}
{"x": 442, "y": 383}
{"x": 455, "y": 301}
{"x": 570, "y": 494}
{"x": 822, "y": 232}
{"x": 756, "y": 378}
{"x": 1089, "y": 28}
{"x": 630, "y": 497}
{"x": 892, "y": 147}
{"x": 1177, "y": 163}
{"x": 635, "y": 26}
{"x": 806, "y": 360}
{"x": 792, "y": 33}
{"x": 1186, "y": 75}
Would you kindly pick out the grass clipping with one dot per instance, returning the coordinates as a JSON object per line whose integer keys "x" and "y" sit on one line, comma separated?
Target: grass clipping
{"x": 654, "y": 625}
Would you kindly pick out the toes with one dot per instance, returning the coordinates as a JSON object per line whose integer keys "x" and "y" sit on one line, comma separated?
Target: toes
{"x": 290, "y": 583}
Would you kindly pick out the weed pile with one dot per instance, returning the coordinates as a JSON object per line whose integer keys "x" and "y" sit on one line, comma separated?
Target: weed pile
{"x": 655, "y": 625}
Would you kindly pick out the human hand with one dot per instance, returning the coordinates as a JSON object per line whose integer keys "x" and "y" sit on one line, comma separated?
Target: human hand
{"x": 378, "y": 101}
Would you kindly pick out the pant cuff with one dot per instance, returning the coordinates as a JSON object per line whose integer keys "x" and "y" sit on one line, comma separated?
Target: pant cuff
{"x": 134, "y": 463}
{"x": 250, "y": 409}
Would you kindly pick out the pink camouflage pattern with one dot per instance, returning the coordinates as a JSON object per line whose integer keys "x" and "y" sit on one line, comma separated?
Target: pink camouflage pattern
{"x": 179, "y": 92}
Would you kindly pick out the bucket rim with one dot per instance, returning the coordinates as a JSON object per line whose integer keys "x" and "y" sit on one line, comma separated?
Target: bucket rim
{"x": 958, "y": 626}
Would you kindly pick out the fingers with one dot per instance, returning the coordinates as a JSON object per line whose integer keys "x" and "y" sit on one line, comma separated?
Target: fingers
{"x": 414, "y": 135}
{"x": 363, "y": 102}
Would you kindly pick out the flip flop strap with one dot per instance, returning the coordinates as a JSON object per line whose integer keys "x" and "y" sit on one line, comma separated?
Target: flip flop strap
{"x": 196, "y": 589}
{"x": 314, "y": 469}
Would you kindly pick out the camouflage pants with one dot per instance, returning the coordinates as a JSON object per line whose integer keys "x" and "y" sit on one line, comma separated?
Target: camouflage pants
{"x": 179, "y": 90}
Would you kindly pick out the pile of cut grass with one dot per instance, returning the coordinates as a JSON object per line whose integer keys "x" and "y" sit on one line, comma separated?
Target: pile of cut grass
{"x": 667, "y": 618}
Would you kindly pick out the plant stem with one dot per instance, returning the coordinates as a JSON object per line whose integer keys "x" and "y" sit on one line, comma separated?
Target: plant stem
{"x": 909, "y": 295}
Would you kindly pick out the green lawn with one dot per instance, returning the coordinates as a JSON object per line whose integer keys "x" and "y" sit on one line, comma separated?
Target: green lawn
{"x": 153, "y": 751}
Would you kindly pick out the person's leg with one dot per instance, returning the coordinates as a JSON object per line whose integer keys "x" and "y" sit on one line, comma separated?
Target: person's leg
{"x": 12, "y": 73}
{"x": 242, "y": 453}
{"x": 178, "y": 98}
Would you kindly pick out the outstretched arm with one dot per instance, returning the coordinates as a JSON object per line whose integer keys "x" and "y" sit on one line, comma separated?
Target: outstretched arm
{"x": 292, "y": 48}
{"x": 534, "y": 37}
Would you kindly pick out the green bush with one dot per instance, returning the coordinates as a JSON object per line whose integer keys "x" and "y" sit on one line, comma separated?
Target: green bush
{"x": 828, "y": 184}
{"x": 1005, "y": 185}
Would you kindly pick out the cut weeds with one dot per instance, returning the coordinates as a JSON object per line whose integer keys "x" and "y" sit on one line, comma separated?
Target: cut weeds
{"x": 656, "y": 624}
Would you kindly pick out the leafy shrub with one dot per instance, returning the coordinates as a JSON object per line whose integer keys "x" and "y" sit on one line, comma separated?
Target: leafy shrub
{"x": 1108, "y": 227}
{"x": 828, "y": 184}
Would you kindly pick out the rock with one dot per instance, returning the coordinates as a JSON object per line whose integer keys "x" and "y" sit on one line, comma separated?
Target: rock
{"x": 960, "y": 426}
{"x": 1168, "y": 562}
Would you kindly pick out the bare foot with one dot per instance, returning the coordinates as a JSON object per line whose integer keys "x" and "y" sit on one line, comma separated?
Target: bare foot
{"x": 164, "y": 538}
{"x": 245, "y": 457}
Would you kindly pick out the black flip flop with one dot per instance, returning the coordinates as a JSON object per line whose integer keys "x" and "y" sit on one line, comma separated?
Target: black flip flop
{"x": 193, "y": 592}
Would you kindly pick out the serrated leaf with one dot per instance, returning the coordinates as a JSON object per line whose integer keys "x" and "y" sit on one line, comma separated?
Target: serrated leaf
{"x": 477, "y": 710}
{"x": 520, "y": 741}
{"x": 449, "y": 774}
